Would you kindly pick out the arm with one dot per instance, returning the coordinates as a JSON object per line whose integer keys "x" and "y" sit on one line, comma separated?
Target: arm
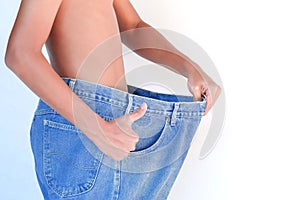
{"x": 25, "y": 59}
{"x": 140, "y": 34}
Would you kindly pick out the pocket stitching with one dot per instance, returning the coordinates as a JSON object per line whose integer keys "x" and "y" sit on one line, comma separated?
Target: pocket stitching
{"x": 154, "y": 145}
{"x": 63, "y": 191}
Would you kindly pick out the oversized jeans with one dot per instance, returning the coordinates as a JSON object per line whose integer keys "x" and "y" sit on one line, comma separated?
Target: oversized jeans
{"x": 69, "y": 166}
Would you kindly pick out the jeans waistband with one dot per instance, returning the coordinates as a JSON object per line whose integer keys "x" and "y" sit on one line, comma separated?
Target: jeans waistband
{"x": 181, "y": 117}
{"x": 157, "y": 103}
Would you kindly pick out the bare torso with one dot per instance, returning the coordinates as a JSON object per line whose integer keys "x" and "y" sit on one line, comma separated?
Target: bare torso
{"x": 76, "y": 28}
{"x": 79, "y": 27}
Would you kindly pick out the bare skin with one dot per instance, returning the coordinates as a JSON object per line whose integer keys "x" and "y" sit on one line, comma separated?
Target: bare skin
{"x": 88, "y": 23}
{"x": 71, "y": 29}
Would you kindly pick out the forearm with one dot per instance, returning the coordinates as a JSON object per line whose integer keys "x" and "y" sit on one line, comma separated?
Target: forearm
{"x": 24, "y": 57}
{"x": 150, "y": 44}
{"x": 34, "y": 70}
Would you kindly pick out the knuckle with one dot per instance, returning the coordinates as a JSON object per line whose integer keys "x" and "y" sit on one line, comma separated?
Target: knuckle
{"x": 137, "y": 138}
{"x": 197, "y": 88}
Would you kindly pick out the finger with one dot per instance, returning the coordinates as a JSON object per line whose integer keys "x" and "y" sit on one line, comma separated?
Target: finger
{"x": 123, "y": 135}
{"x": 138, "y": 113}
{"x": 208, "y": 102}
{"x": 198, "y": 98}
{"x": 124, "y": 144}
{"x": 112, "y": 150}
{"x": 208, "y": 107}
{"x": 196, "y": 91}
{"x": 211, "y": 98}
{"x": 199, "y": 92}
{"x": 129, "y": 138}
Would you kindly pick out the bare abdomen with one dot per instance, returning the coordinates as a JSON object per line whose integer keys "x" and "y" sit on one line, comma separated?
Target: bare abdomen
{"x": 84, "y": 43}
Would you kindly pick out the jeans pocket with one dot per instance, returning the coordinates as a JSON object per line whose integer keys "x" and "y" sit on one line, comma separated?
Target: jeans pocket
{"x": 151, "y": 131}
{"x": 69, "y": 168}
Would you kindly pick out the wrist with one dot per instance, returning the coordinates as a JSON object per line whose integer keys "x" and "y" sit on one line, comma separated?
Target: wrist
{"x": 190, "y": 69}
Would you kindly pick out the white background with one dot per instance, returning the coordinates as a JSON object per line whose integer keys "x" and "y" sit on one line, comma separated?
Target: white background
{"x": 255, "y": 46}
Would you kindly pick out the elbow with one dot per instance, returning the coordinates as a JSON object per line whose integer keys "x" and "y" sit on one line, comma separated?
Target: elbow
{"x": 16, "y": 57}
{"x": 13, "y": 57}
{"x": 10, "y": 58}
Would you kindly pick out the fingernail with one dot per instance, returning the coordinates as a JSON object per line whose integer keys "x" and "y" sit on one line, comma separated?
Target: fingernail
{"x": 144, "y": 106}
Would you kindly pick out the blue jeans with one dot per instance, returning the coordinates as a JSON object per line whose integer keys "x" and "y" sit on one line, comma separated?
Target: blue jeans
{"x": 69, "y": 166}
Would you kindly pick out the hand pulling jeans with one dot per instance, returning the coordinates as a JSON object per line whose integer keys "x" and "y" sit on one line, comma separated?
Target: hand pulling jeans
{"x": 69, "y": 166}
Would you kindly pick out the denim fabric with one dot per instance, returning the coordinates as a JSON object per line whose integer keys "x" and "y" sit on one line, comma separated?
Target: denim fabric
{"x": 69, "y": 166}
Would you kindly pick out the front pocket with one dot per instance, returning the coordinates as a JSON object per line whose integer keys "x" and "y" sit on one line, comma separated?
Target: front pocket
{"x": 151, "y": 131}
{"x": 69, "y": 168}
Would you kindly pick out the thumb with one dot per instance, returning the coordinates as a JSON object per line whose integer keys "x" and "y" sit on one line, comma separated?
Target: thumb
{"x": 138, "y": 113}
{"x": 197, "y": 97}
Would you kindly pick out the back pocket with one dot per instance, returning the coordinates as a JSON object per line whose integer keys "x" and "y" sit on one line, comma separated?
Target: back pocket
{"x": 69, "y": 168}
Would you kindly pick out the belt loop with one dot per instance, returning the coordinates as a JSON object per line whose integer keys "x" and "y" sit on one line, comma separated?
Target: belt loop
{"x": 130, "y": 99}
{"x": 174, "y": 114}
{"x": 72, "y": 84}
